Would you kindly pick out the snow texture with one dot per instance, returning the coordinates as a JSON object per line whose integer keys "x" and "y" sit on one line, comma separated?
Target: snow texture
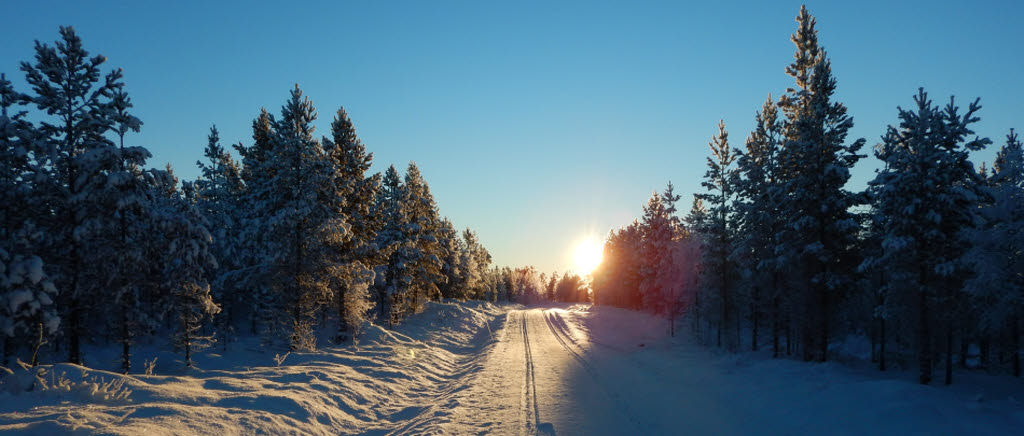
{"x": 474, "y": 368}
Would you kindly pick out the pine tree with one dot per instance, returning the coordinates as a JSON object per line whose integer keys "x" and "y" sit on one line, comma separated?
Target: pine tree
{"x": 997, "y": 288}
{"x": 393, "y": 276}
{"x": 473, "y": 264}
{"x": 27, "y": 307}
{"x": 126, "y": 194}
{"x": 302, "y": 227}
{"x": 451, "y": 255}
{"x": 719, "y": 234}
{"x": 68, "y": 87}
{"x": 814, "y": 166}
{"x": 655, "y": 251}
{"x": 219, "y": 191}
{"x": 925, "y": 198}
{"x": 355, "y": 200}
{"x": 188, "y": 261}
{"x": 421, "y": 231}
{"x": 758, "y": 222}
{"x": 253, "y": 273}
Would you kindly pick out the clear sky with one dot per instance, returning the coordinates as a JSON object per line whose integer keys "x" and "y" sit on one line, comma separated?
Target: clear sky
{"x": 536, "y": 124}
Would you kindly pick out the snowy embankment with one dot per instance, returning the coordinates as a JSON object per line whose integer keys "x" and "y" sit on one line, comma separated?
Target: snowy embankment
{"x": 674, "y": 386}
{"x": 393, "y": 380}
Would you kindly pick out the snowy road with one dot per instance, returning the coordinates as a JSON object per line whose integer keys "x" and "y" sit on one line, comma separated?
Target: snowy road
{"x": 545, "y": 376}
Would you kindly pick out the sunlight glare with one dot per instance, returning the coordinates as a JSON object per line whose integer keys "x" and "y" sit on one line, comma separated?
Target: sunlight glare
{"x": 588, "y": 256}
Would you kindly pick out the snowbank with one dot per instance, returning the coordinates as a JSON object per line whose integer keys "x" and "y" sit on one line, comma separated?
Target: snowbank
{"x": 696, "y": 390}
{"x": 393, "y": 380}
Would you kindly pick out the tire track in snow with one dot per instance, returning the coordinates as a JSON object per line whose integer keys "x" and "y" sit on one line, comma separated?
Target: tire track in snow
{"x": 559, "y": 331}
{"x": 531, "y": 412}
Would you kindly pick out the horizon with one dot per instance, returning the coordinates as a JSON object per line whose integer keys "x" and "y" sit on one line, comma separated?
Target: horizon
{"x": 538, "y": 128}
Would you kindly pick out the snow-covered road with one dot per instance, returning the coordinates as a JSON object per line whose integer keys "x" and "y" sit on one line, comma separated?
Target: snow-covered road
{"x": 544, "y": 375}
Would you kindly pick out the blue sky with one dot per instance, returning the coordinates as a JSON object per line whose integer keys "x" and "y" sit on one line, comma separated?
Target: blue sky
{"x": 536, "y": 123}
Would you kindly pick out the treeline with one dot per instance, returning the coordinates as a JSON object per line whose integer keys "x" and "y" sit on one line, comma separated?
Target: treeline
{"x": 778, "y": 252}
{"x": 295, "y": 239}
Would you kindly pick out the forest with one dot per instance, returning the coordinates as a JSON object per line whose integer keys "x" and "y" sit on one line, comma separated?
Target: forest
{"x": 776, "y": 252}
{"x": 296, "y": 241}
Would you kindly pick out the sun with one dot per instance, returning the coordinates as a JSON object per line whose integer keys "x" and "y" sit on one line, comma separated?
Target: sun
{"x": 587, "y": 256}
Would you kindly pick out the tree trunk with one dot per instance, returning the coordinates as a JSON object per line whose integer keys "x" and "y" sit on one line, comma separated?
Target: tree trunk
{"x": 1015, "y": 340}
{"x": 825, "y": 323}
{"x": 188, "y": 344}
{"x": 74, "y": 346}
{"x": 881, "y": 344}
{"x": 789, "y": 333}
{"x": 126, "y": 355}
{"x": 754, "y": 319}
{"x": 964, "y": 347}
{"x": 924, "y": 349}
{"x": 775, "y": 327}
{"x": 342, "y": 319}
{"x": 949, "y": 352}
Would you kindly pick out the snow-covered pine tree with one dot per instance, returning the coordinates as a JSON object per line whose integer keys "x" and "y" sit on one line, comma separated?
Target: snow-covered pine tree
{"x": 27, "y": 312}
{"x": 814, "y": 163}
{"x": 550, "y": 287}
{"x": 697, "y": 219}
{"x": 696, "y": 222}
{"x": 451, "y": 253}
{"x": 997, "y": 254}
{"x": 302, "y": 226}
{"x": 392, "y": 278}
{"x": 252, "y": 277}
{"x": 126, "y": 200}
{"x": 719, "y": 234}
{"x": 355, "y": 200}
{"x": 681, "y": 278}
{"x": 655, "y": 252}
{"x": 77, "y": 100}
{"x": 19, "y": 161}
{"x": 617, "y": 281}
{"x": 473, "y": 264}
{"x": 758, "y": 222}
{"x": 187, "y": 262}
{"x": 219, "y": 191}
{"x": 925, "y": 198}
{"x": 421, "y": 230}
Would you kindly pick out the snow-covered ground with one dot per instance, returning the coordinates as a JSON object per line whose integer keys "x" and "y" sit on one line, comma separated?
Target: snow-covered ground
{"x": 475, "y": 368}
{"x": 399, "y": 380}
